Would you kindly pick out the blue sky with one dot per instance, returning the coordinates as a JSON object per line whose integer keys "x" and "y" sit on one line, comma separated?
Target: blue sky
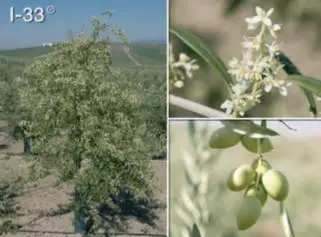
{"x": 142, "y": 20}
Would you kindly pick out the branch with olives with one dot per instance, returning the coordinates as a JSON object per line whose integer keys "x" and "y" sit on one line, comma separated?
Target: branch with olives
{"x": 259, "y": 180}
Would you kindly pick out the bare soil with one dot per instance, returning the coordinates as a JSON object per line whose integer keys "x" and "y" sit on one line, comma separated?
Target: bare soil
{"x": 42, "y": 197}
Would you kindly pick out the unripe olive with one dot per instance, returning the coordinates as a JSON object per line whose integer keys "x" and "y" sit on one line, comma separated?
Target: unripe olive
{"x": 251, "y": 144}
{"x": 258, "y": 192}
{"x": 276, "y": 185}
{"x": 249, "y": 212}
{"x": 240, "y": 178}
{"x": 224, "y": 138}
{"x": 260, "y": 169}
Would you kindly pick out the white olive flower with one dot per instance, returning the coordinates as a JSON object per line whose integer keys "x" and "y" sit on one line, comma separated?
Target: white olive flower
{"x": 281, "y": 85}
{"x": 186, "y": 64}
{"x": 183, "y": 58}
{"x": 273, "y": 29}
{"x": 241, "y": 70}
{"x": 261, "y": 17}
{"x": 233, "y": 63}
{"x": 260, "y": 65}
{"x": 258, "y": 68}
{"x": 228, "y": 106}
{"x": 181, "y": 69}
{"x": 251, "y": 43}
{"x": 240, "y": 88}
{"x": 190, "y": 67}
{"x": 283, "y": 88}
{"x": 273, "y": 49}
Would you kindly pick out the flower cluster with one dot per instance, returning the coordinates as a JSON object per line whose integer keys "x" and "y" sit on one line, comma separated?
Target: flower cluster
{"x": 257, "y": 70}
{"x": 181, "y": 69}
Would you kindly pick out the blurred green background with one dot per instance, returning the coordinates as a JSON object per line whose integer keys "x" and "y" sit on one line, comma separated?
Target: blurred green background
{"x": 296, "y": 154}
{"x": 300, "y": 37}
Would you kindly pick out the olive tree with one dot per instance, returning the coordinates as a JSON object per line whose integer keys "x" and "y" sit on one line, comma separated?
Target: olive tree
{"x": 89, "y": 123}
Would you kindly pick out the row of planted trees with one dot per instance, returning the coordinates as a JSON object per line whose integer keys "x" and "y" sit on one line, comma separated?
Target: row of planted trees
{"x": 96, "y": 125}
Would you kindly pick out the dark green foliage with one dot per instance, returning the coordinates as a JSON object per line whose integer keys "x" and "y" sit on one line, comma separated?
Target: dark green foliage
{"x": 291, "y": 69}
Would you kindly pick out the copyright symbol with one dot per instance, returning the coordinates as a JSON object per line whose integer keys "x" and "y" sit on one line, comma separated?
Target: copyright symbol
{"x": 50, "y": 9}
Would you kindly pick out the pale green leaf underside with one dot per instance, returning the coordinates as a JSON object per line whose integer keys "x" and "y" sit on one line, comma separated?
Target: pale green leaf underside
{"x": 249, "y": 128}
{"x": 309, "y": 83}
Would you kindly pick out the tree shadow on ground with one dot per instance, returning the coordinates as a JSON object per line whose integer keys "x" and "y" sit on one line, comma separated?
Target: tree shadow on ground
{"x": 128, "y": 209}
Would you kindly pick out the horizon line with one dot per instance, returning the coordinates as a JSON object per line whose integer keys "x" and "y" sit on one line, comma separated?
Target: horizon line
{"x": 147, "y": 41}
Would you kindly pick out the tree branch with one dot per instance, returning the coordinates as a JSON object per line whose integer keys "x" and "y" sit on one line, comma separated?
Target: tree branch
{"x": 288, "y": 127}
{"x": 196, "y": 107}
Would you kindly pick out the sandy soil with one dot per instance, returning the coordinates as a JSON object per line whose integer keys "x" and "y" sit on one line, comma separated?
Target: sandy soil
{"x": 43, "y": 197}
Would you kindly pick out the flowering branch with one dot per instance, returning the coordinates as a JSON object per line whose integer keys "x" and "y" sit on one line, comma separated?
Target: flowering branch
{"x": 252, "y": 76}
{"x": 195, "y": 107}
{"x": 257, "y": 71}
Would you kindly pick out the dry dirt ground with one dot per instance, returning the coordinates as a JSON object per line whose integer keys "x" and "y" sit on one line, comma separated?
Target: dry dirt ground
{"x": 43, "y": 197}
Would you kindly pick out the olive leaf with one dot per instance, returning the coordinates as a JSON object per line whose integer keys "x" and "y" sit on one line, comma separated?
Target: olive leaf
{"x": 311, "y": 84}
{"x": 249, "y": 128}
{"x": 291, "y": 69}
{"x": 195, "y": 231}
{"x": 224, "y": 138}
{"x": 263, "y": 125}
{"x": 196, "y": 44}
{"x": 257, "y": 145}
{"x": 286, "y": 221}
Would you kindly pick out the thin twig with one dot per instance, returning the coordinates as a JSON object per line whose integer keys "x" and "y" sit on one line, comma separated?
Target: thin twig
{"x": 286, "y": 125}
{"x": 196, "y": 107}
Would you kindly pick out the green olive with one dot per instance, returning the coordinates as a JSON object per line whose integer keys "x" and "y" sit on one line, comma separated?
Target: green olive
{"x": 263, "y": 168}
{"x": 249, "y": 212}
{"x": 240, "y": 178}
{"x": 276, "y": 185}
{"x": 224, "y": 138}
{"x": 258, "y": 192}
{"x": 260, "y": 169}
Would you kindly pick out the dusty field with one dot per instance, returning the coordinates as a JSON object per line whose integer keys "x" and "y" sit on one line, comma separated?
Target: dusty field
{"x": 43, "y": 197}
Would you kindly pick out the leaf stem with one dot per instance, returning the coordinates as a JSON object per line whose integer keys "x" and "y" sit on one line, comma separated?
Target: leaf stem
{"x": 259, "y": 143}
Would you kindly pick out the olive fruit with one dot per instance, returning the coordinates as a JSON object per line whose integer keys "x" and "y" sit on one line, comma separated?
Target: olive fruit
{"x": 240, "y": 178}
{"x": 261, "y": 168}
{"x": 258, "y": 192}
{"x": 251, "y": 144}
{"x": 249, "y": 212}
{"x": 224, "y": 138}
{"x": 276, "y": 185}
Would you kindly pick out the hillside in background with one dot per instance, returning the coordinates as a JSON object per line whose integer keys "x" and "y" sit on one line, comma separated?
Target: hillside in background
{"x": 145, "y": 54}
